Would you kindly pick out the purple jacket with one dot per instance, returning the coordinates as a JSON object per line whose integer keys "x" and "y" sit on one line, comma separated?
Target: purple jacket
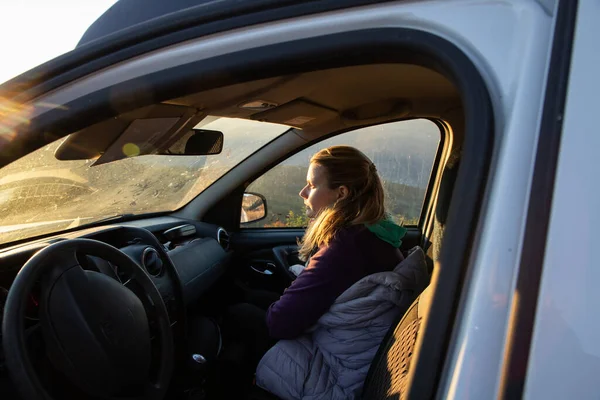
{"x": 354, "y": 253}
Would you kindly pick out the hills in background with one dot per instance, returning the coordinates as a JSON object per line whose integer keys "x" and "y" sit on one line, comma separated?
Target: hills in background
{"x": 280, "y": 187}
{"x": 403, "y": 153}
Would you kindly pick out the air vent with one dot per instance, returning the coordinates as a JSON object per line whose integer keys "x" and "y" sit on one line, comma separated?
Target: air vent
{"x": 151, "y": 261}
{"x": 223, "y": 238}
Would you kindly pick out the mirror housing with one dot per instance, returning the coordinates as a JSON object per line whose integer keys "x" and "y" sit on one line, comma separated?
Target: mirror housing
{"x": 204, "y": 142}
{"x": 254, "y": 208}
{"x": 201, "y": 142}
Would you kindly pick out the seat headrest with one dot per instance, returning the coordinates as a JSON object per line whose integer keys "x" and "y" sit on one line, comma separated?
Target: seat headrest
{"x": 415, "y": 259}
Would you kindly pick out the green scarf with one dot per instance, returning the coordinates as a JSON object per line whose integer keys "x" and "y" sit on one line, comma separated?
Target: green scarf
{"x": 388, "y": 231}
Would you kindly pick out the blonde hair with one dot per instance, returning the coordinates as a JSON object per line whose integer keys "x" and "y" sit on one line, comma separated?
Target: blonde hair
{"x": 364, "y": 204}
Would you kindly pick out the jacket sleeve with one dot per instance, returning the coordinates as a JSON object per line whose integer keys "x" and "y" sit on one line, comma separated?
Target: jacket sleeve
{"x": 311, "y": 294}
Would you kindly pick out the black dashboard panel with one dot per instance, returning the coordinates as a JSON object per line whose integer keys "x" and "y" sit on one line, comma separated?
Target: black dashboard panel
{"x": 181, "y": 269}
{"x": 199, "y": 263}
{"x": 182, "y": 272}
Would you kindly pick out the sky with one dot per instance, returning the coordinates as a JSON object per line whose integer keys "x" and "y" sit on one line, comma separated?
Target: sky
{"x": 35, "y": 31}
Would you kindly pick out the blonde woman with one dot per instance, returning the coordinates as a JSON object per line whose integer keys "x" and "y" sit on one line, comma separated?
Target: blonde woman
{"x": 355, "y": 287}
{"x": 349, "y": 238}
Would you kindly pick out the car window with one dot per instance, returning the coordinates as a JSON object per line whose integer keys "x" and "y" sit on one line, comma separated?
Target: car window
{"x": 403, "y": 152}
{"x": 41, "y": 194}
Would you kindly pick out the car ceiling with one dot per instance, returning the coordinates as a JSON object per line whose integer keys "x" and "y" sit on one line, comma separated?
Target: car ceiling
{"x": 428, "y": 93}
{"x": 332, "y": 99}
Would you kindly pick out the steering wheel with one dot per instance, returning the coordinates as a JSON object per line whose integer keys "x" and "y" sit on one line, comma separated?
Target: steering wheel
{"x": 96, "y": 330}
{"x": 282, "y": 255}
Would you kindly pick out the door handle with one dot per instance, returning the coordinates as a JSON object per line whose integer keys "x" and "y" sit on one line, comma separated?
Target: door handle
{"x": 267, "y": 271}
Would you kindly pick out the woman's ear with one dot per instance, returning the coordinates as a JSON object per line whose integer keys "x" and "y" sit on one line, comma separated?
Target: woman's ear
{"x": 342, "y": 192}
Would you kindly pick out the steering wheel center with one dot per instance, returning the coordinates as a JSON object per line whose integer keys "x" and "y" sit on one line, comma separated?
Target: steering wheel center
{"x": 96, "y": 331}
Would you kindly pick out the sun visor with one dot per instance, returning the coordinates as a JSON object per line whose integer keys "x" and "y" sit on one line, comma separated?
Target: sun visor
{"x": 144, "y": 131}
{"x": 297, "y": 113}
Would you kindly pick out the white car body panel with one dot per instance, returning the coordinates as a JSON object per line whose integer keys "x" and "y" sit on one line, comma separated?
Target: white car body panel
{"x": 564, "y": 361}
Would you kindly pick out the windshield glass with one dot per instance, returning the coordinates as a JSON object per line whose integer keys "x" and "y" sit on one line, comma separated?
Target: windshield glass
{"x": 40, "y": 194}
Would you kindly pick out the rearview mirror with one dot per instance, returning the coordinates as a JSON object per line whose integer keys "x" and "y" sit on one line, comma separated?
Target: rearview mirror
{"x": 204, "y": 142}
{"x": 199, "y": 142}
{"x": 254, "y": 208}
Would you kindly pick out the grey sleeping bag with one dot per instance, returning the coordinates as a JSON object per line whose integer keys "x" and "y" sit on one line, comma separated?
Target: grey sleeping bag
{"x": 331, "y": 360}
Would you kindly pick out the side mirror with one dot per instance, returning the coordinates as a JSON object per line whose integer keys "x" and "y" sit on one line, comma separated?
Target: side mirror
{"x": 254, "y": 208}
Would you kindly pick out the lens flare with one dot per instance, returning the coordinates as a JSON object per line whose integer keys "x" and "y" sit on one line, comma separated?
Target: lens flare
{"x": 131, "y": 150}
{"x": 12, "y": 115}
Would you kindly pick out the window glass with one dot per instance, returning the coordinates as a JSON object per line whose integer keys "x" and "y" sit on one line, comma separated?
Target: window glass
{"x": 41, "y": 194}
{"x": 403, "y": 151}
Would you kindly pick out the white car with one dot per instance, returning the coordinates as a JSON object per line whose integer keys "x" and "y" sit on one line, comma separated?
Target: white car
{"x": 152, "y": 174}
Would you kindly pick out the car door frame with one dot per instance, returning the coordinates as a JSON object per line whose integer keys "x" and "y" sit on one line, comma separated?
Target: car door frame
{"x": 524, "y": 307}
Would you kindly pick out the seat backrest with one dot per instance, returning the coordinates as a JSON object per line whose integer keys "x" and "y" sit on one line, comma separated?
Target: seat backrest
{"x": 388, "y": 375}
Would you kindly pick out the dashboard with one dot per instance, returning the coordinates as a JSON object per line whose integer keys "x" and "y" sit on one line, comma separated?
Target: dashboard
{"x": 183, "y": 259}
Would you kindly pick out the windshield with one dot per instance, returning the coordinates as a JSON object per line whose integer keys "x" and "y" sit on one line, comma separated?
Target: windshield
{"x": 40, "y": 194}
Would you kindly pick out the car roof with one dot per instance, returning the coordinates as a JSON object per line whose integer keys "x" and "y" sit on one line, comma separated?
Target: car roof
{"x": 128, "y": 29}
{"x": 127, "y": 13}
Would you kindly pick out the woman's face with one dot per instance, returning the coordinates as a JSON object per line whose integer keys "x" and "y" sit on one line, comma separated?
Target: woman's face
{"x": 316, "y": 194}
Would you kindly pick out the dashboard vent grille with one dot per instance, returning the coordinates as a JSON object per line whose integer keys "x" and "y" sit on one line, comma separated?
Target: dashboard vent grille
{"x": 151, "y": 261}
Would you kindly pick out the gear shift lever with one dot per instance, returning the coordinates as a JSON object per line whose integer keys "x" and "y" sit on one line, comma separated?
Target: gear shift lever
{"x": 198, "y": 369}
{"x": 199, "y": 359}
{"x": 198, "y": 365}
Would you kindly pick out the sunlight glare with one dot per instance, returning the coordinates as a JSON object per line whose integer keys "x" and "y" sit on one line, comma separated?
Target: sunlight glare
{"x": 40, "y": 30}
